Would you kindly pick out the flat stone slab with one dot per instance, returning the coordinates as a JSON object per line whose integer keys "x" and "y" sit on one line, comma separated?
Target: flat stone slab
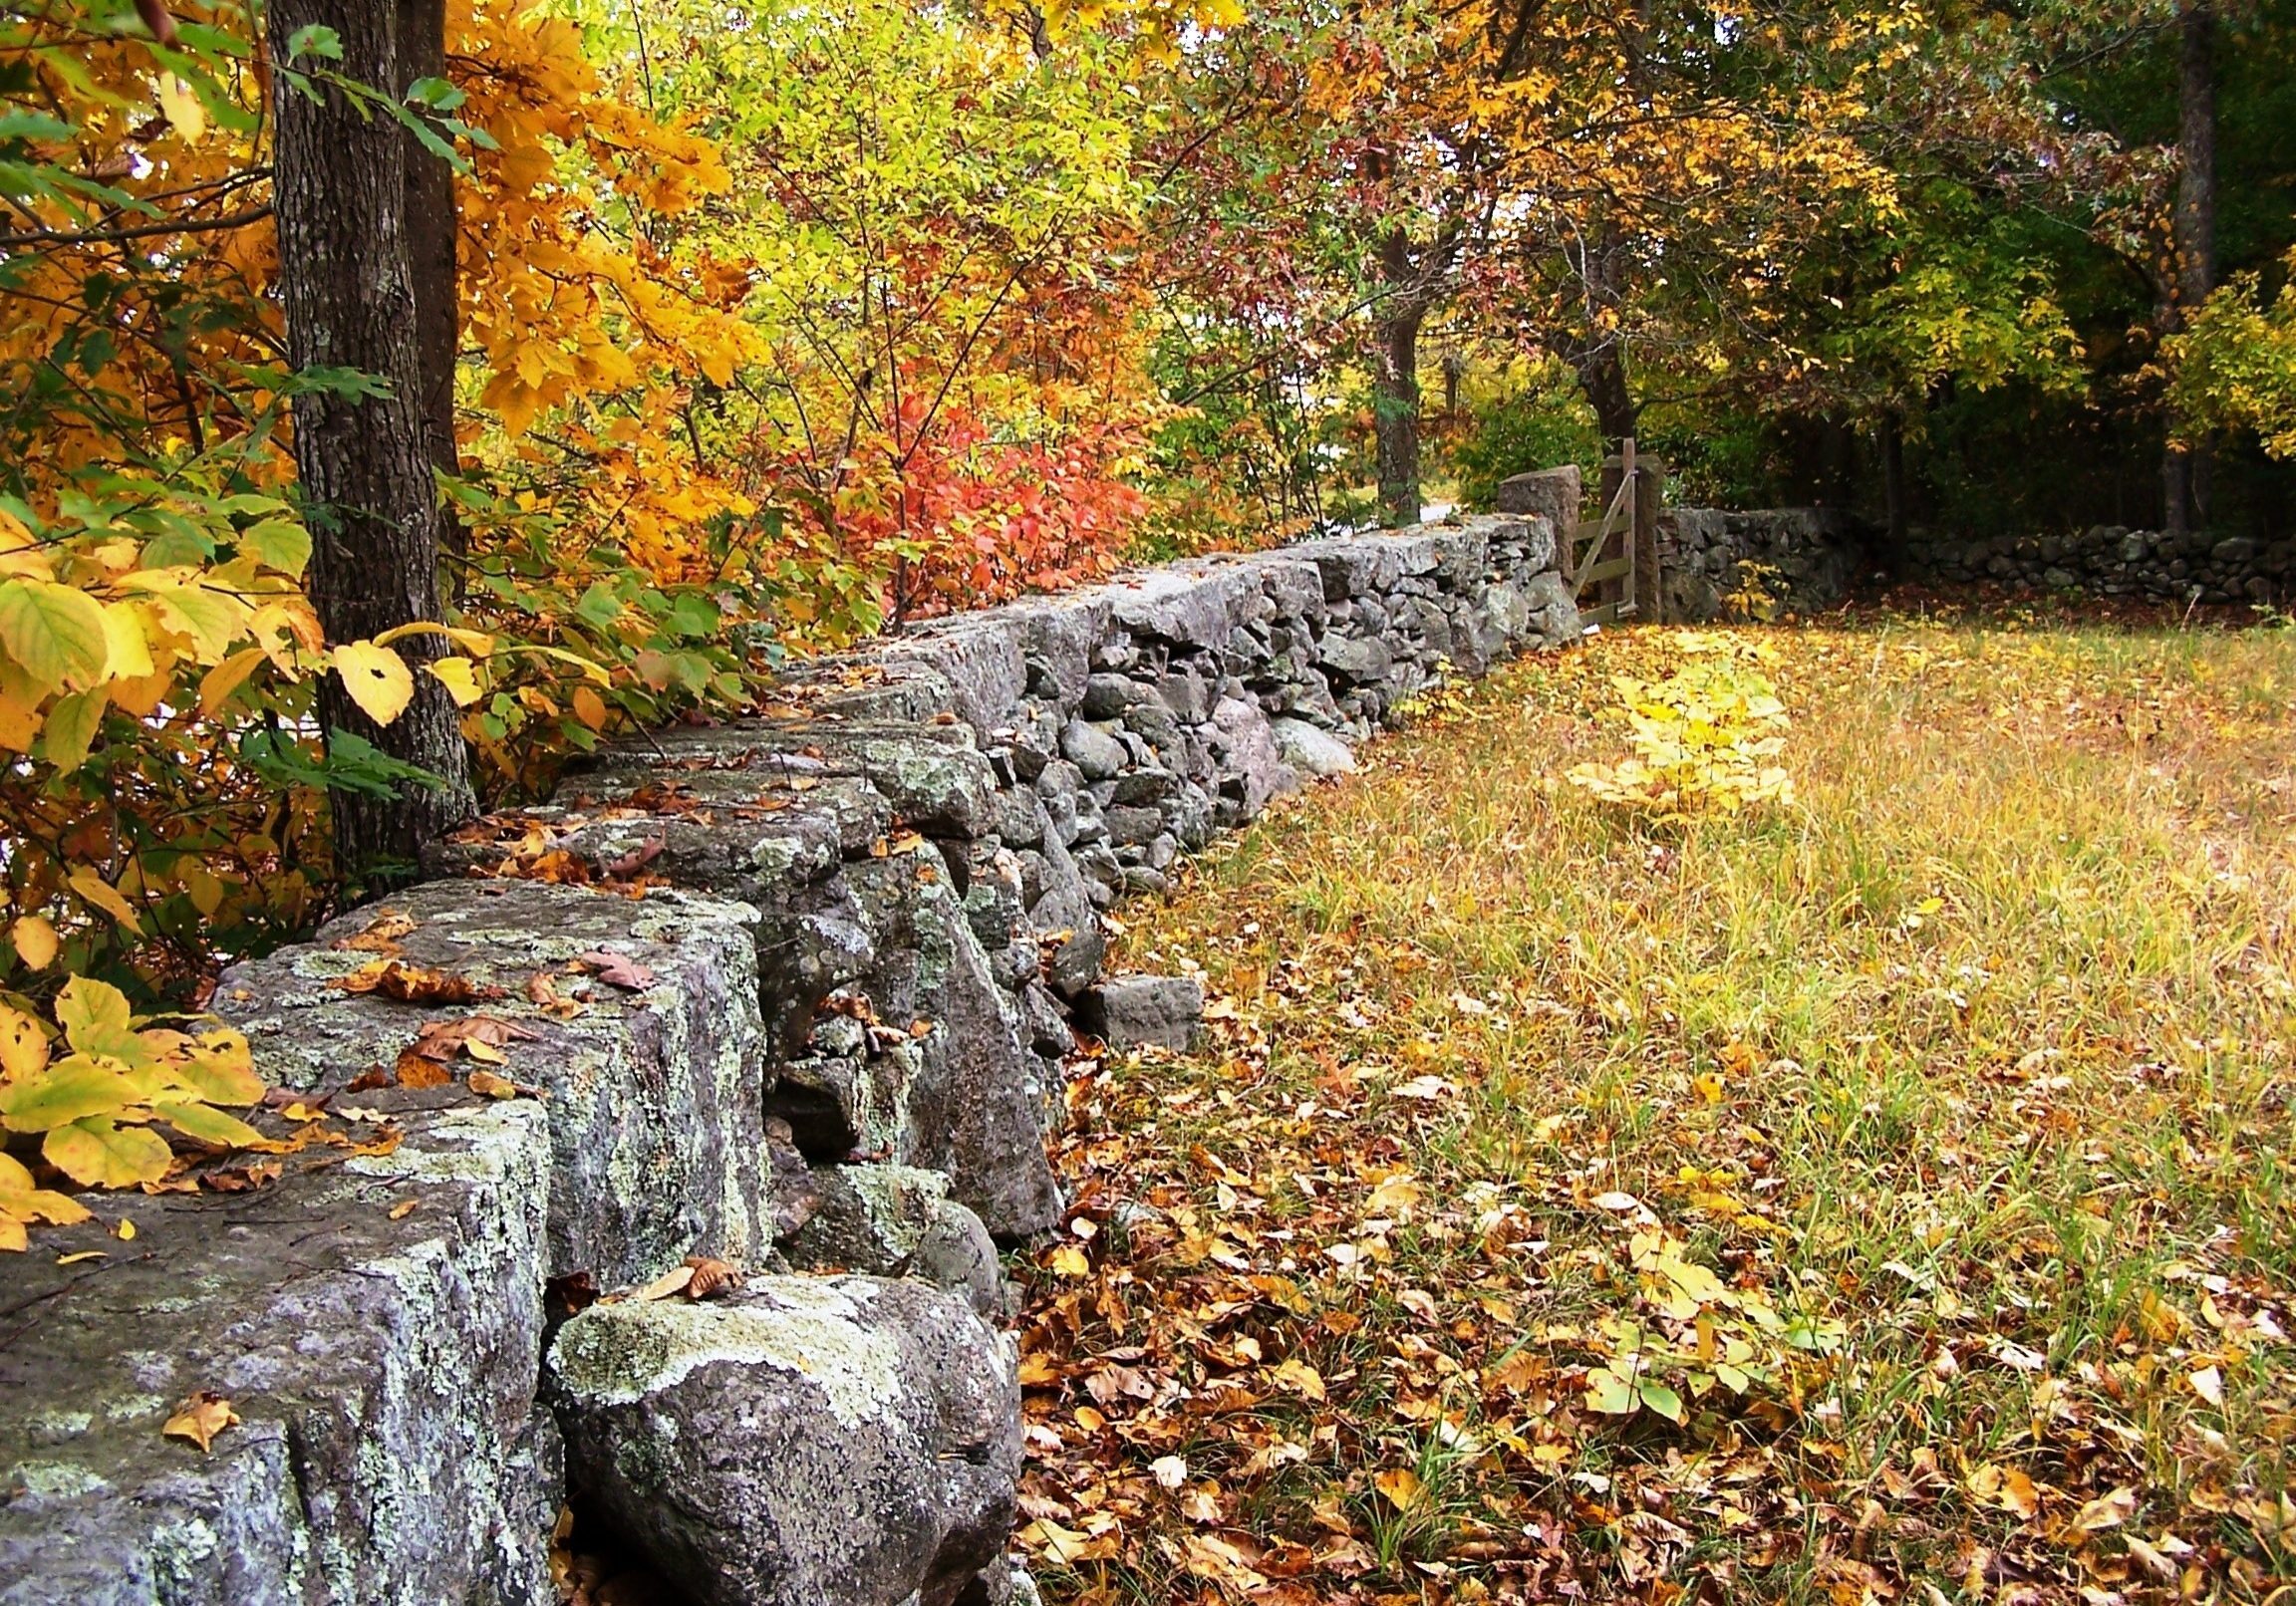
{"x": 383, "y": 1370}
{"x": 654, "y": 1092}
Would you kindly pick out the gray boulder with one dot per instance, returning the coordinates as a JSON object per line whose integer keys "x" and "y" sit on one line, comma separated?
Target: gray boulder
{"x": 655, "y": 1088}
{"x": 1144, "y": 1011}
{"x": 897, "y": 1222}
{"x": 811, "y": 1442}
{"x": 1311, "y": 749}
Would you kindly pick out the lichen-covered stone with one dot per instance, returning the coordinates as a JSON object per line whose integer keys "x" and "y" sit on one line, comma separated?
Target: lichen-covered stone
{"x": 383, "y": 1370}
{"x": 655, "y": 1096}
{"x": 809, "y": 1442}
{"x": 897, "y": 1222}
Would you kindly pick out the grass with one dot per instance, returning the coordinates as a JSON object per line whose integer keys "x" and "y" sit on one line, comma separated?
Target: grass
{"x": 1882, "y": 1197}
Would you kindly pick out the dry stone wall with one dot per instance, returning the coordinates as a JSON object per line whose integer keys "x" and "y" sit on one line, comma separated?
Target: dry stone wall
{"x": 1811, "y": 558}
{"x": 810, "y": 1018}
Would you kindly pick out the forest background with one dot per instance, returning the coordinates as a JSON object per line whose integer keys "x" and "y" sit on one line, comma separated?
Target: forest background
{"x": 398, "y": 398}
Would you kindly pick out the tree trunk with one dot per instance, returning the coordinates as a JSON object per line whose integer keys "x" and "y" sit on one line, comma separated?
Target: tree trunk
{"x": 347, "y": 282}
{"x": 1602, "y": 375}
{"x": 431, "y": 241}
{"x": 1893, "y": 482}
{"x": 2184, "y": 471}
{"x": 1395, "y": 385}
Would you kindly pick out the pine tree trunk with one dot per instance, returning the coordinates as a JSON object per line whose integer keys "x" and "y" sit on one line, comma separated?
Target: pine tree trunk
{"x": 348, "y": 284}
{"x": 1395, "y": 388}
{"x": 2184, "y": 471}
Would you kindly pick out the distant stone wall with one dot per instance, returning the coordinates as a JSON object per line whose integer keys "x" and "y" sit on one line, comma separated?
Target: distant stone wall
{"x": 1804, "y": 559}
{"x": 2108, "y": 561}
{"x": 808, "y": 1016}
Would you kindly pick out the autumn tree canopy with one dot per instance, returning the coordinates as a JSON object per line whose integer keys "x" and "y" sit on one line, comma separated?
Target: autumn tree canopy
{"x": 399, "y": 397}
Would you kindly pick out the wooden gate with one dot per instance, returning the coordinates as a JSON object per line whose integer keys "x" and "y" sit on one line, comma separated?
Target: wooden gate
{"x": 1612, "y": 563}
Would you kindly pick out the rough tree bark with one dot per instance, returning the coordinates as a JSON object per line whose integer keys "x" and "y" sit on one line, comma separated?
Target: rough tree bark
{"x": 430, "y": 239}
{"x": 348, "y": 283}
{"x": 2184, "y": 471}
{"x": 1395, "y": 381}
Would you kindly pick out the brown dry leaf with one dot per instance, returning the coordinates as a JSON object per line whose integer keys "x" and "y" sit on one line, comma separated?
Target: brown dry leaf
{"x": 414, "y": 983}
{"x": 710, "y": 1276}
{"x": 417, "y": 1072}
{"x": 487, "y": 1085}
{"x": 441, "y": 1040}
{"x": 542, "y": 992}
{"x": 403, "y": 1208}
{"x": 242, "y": 1179}
{"x": 616, "y": 970}
{"x": 673, "y": 1281}
{"x": 200, "y": 1418}
{"x": 381, "y": 934}
{"x": 635, "y": 860}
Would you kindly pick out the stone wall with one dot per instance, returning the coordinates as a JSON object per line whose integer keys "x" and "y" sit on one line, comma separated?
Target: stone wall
{"x": 1805, "y": 559}
{"x": 1813, "y": 557}
{"x": 2108, "y": 561}
{"x": 793, "y": 995}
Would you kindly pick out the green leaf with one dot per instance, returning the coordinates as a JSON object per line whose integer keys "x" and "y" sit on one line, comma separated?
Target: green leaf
{"x": 1609, "y": 1394}
{"x": 71, "y": 729}
{"x": 69, "y": 1090}
{"x": 205, "y": 1124}
{"x": 1662, "y": 1400}
{"x": 97, "y": 1152}
{"x": 55, "y": 633}
{"x": 280, "y": 544}
{"x": 315, "y": 39}
{"x": 97, "y": 1020}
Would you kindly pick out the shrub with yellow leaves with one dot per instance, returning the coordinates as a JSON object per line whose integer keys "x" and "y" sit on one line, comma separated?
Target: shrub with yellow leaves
{"x": 94, "y": 1107}
{"x": 1704, "y": 737}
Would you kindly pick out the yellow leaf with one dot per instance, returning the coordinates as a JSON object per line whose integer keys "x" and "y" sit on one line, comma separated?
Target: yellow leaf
{"x": 200, "y": 1418}
{"x": 96, "y": 891}
{"x": 55, "y": 633}
{"x": 99, "y": 1152}
{"x": 218, "y": 684}
{"x": 23, "y": 1045}
{"x": 589, "y": 707}
{"x": 456, "y": 675}
{"x": 181, "y": 108}
{"x": 377, "y": 679}
{"x": 126, "y": 650}
{"x": 1298, "y": 1376}
{"x": 34, "y": 939}
{"x": 1070, "y": 1262}
{"x": 1400, "y": 1487}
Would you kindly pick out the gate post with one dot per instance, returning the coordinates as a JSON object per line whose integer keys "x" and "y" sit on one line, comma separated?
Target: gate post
{"x": 1649, "y": 490}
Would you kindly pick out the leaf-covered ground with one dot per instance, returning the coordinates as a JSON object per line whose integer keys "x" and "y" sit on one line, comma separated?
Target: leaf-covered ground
{"x": 1883, "y": 1197}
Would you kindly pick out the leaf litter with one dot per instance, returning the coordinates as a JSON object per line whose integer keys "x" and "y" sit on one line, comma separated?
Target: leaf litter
{"x": 1874, "y": 1196}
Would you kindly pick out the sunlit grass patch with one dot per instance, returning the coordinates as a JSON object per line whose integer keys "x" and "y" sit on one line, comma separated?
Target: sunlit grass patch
{"x": 1879, "y": 1194}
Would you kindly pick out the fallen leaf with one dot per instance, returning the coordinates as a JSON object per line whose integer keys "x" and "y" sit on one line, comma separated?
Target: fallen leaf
{"x": 200, "y": 1418}
{"x": 710, "y": 1276}
{"x": 616, "y": 970}
{"x": 1169, "y": 1472}
{"x": 673, "y": 1281}
{"x": 1401, "y": 1487}
{"x": 414, "y": 983}
{"x": 403, "y": 1208}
